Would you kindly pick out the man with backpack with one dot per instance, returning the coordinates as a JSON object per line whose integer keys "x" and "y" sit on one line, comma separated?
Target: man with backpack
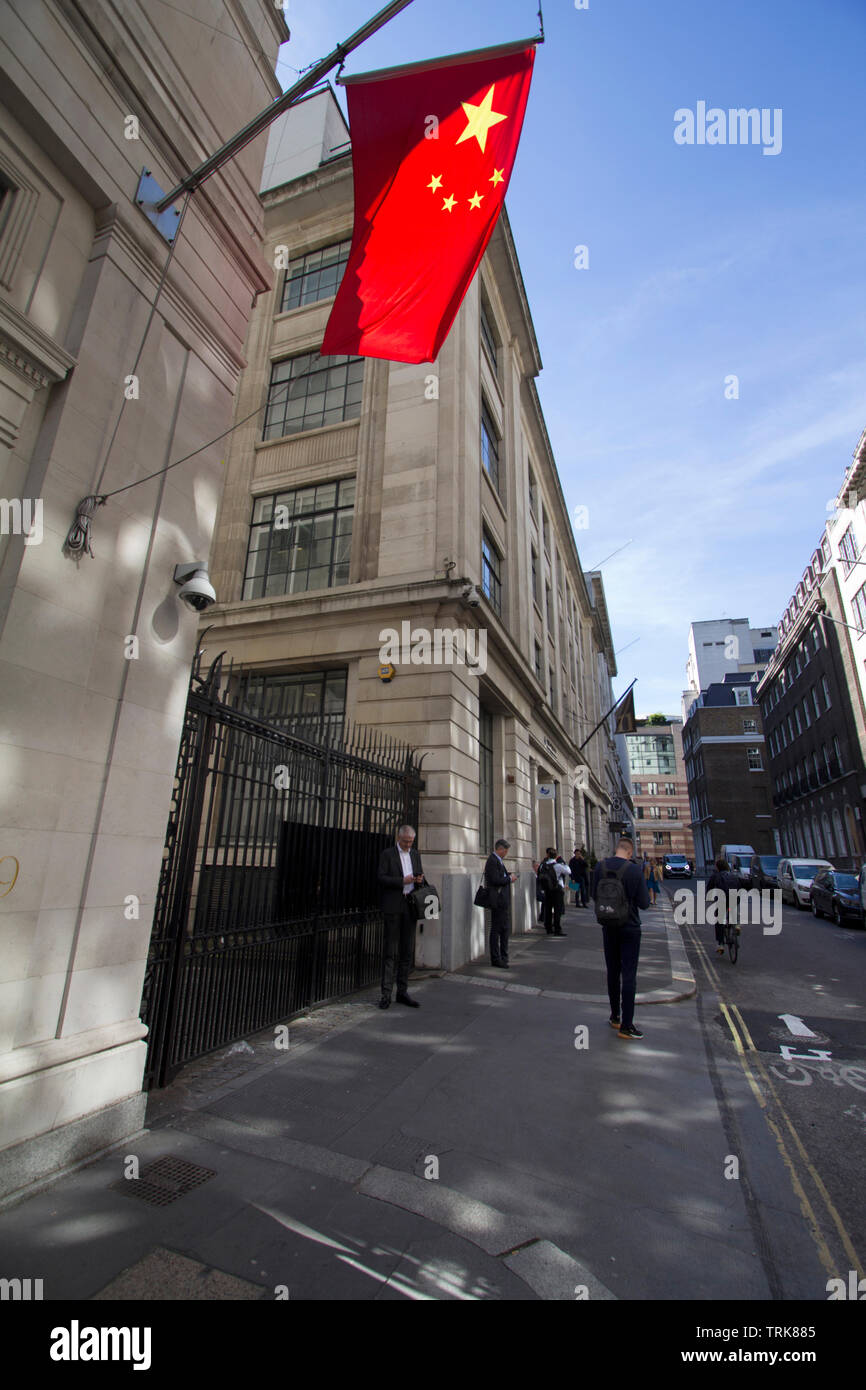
{"x": 550, "y": 878}
{"x": 619, "y": 889}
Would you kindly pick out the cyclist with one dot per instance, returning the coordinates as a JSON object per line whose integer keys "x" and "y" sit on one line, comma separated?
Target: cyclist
{"x": 723, "y": 878}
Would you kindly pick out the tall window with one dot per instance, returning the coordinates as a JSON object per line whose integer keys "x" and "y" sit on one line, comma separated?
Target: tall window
{"x": 848, "y": 551}
{"x": 533, "y": 494}
{"x": 489, "y": 447}
{"x": 491, "y": 574}
{"x": 539, "y": 670}
{"x": 488, "y": 337}
{"x": 485, "y": 779}
{"x": 754, "y": 759}
{"x": 314, "y": 276}
{"x": 858, "y": 603}
{"x": 300, "y": 540}
{"x": 826, "y": 689}
{"x": 534, "y": 566}
{"x": 309, "y": 391}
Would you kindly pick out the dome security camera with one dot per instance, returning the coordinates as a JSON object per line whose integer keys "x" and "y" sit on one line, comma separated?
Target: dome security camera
{"x": 197, "y": 592}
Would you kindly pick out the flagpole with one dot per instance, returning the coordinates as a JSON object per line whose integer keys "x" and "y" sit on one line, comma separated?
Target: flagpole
{"x": 276, "y": 108}
{"x": 606, "y": 716}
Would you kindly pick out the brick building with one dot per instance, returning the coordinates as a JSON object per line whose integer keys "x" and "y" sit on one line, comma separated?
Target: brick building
{"x": 726, "y": 768}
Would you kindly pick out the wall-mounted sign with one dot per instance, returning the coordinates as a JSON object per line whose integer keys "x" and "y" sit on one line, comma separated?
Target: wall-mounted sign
{"x": 547, "y": 791}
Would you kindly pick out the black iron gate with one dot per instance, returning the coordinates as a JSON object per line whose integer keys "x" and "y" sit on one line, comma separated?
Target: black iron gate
{"x": 267, "y": 899}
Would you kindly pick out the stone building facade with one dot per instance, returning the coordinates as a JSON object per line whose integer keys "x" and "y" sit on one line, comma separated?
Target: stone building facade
{"x": 91, "y": 720}
{"x": 425, "y": 539}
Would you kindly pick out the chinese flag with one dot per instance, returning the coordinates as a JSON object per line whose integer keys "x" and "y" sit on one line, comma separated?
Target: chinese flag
{"x": 433, "y": 145}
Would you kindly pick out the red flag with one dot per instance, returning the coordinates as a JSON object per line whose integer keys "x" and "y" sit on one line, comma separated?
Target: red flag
{"x": 433, "y": 145}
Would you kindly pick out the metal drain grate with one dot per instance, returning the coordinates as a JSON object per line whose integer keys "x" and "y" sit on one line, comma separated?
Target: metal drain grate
{"x": 164, "y": 1180}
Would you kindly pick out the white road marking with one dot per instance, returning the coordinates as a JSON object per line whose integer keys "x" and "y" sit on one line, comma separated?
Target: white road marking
{"x": 796, "y": 1026}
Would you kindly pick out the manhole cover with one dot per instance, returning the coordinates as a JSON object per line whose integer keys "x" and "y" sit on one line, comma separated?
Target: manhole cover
{"x": 164, "y": 1180}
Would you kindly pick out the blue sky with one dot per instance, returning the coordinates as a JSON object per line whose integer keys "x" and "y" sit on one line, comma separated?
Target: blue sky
{"x": 705, "y": 261}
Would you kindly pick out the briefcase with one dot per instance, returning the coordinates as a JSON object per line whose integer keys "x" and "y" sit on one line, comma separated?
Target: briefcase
{"x": 424, "y": 903}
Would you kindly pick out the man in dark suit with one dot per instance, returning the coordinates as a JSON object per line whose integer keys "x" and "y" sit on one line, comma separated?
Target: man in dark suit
{"x": 499, "y": 881}
{"x": 400, "y": 871}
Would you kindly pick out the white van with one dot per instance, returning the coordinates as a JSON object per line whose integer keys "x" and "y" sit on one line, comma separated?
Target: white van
{"x": 795, "y": 878}
{"x": 739, "y": 858}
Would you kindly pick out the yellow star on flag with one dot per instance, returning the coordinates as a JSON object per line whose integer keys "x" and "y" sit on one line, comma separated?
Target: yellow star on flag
{"x": 448, "y": 204}
{"x": 496, "y": 177}
{"x": 480, "y": 118}
{"x": 434, "y": 183}
{"x": 475, "y": 200}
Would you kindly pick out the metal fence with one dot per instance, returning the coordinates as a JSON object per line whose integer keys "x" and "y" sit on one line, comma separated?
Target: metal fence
{"x": 267, "y": 900}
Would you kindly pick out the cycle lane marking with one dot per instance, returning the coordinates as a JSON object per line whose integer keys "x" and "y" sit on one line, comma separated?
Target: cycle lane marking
{"x": 732, "y": 1013}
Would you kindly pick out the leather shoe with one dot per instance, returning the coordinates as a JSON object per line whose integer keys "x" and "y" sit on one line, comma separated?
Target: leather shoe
{"x": 560, "y": 933}
{"x": 404, "y": 999}
{"x": 384, "y": 1002}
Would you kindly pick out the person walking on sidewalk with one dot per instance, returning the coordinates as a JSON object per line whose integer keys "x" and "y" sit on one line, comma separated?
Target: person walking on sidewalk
{"x": 551, "y": 875}
{"x": 650, "y": 875}
{"x": 619, "y": 889}
{"x": 499, "y": 881}
{"x": 579, "y": 870}
{"x": 400, "y": 870}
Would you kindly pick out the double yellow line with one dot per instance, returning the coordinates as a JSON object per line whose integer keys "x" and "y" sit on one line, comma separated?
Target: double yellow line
{"x": 778, "y": 1121}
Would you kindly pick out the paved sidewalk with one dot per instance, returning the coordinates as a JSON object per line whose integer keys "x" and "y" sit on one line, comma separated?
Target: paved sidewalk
{"x": 471, "y": 1149}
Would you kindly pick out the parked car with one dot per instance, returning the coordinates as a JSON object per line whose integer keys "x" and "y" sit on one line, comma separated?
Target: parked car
{"x": 676, "y": 866}
{"x": 837, "y": 895}
{"x": 861, "y": 879}
{"x": 763, "y": 870}
{"x": 795, "y": 878}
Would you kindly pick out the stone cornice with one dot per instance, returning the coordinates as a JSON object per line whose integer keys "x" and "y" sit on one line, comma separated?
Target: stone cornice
{"x": 28, "y": 351}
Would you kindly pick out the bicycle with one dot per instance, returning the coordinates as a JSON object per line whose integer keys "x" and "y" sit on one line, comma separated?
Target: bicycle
{"x": 732, "y": 940}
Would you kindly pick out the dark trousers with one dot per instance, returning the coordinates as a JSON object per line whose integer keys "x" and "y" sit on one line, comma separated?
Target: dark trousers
{"x": 399, "y": 950}
{"x": 580, "y": 893}
{"x": 621, "y": 950}
{"x": 500, "y": 923}
{"x": 554, "y": 902}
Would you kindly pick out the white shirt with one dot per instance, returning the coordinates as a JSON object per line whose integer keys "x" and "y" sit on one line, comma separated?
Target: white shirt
{"x": 562, "y": 871}
{"x": 406, "y": 861}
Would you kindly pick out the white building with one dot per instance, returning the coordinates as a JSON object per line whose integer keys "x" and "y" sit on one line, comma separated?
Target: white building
{"x": 91, "y": 720}
{"x": 426, "y": 481}
{"x": 723, "y": 646}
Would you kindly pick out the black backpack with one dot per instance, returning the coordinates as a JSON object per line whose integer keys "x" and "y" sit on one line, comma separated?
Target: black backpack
{"x": 548, "y": 878}
{"x": 611, "y": 903}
